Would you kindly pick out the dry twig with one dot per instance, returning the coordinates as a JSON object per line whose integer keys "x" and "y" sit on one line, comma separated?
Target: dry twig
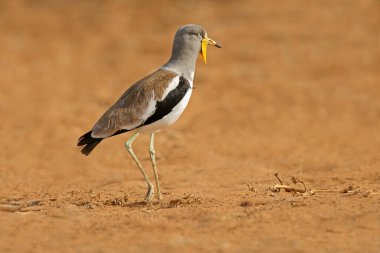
{"x": 304, "y": 191}
{"x": 251, "y": 188}
{"x": 287, "y": 188}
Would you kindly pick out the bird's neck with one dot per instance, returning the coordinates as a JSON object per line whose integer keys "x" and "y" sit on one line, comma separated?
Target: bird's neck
{"x": 183, "y": 62}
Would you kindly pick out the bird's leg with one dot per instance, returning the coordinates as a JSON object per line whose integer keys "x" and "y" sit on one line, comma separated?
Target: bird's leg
{"x": 152, "y": 153}
{"x": 128, "y": 146}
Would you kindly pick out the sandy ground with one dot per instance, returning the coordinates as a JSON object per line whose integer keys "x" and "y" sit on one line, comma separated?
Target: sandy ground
{"x": 294, "y": 91}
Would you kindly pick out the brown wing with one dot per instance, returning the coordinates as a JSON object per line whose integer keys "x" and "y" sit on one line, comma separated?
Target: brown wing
{"x": 128, "y": 111}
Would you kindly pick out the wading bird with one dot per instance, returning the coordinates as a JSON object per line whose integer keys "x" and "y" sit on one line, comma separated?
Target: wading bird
{"x": 154, "y": 102}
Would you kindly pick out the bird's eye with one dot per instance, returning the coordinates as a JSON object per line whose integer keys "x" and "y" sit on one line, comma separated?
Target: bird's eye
{"x": 200, "y": 35}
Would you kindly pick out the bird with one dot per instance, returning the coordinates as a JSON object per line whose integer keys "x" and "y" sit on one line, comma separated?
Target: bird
{"x": 154, "y": 102}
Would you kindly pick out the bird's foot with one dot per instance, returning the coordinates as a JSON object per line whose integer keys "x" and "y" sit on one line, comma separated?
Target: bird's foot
{"x": 159, "y": 195}
{"x": 150, "y": 193}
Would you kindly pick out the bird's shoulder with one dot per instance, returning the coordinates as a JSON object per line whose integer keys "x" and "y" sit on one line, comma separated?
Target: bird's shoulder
{"x": 155, "y": 84}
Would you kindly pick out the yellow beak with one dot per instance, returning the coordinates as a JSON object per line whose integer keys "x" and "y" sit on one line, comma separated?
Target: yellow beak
{"x": 205, "y": 42}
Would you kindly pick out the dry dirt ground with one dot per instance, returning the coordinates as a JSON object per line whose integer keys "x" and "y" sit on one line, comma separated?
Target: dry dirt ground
{"x": 294, "y": 91}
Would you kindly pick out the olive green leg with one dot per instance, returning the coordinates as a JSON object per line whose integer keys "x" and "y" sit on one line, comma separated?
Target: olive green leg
{"x": 128, "y": 146}
{"x": 152, "y": 153}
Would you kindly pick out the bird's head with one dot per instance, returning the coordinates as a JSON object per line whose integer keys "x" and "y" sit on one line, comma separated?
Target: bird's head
{"x": 194, "y": 36}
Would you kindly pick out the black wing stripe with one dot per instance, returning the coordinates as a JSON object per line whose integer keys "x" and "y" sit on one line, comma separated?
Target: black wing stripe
{"x": 165, "y": 106}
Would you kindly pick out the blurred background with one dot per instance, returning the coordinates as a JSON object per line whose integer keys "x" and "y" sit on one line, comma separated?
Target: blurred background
{"x": 295, "y": 90}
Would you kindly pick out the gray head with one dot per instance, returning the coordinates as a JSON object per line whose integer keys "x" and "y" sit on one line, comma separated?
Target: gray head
{"x": 189, "y": 41}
